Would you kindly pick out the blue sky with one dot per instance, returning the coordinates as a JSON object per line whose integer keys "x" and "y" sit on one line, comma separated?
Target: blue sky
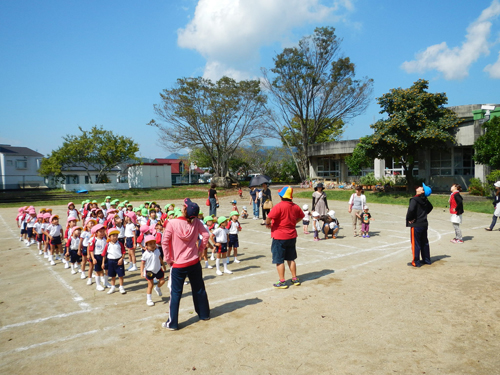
{"x": 65, "y": 64}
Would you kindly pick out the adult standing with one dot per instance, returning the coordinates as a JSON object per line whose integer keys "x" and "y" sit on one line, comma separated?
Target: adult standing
{"x": 282, "y": 221}
{"x": 267, "y": 202}
{"x": 319, "y": 202}
{"x": 456, "y": 211}
{"x": 214, "y": 200}
{"x": 496, "y": 204}
{"x": 181, "y": 252}
{"x": 357, "y": 204}
{"x": 416, "y": 219}
{"x": 255, "y": 201}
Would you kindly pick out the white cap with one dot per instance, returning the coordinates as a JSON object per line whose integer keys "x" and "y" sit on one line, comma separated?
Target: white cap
{"x": 366, "y": 207}
{"x": 497, "y": 184}
{"x": 245, "y": 208}
{"x": 331, "y": 213}
{"x": 315, "y": 214}
{"x": 305, "y": 207}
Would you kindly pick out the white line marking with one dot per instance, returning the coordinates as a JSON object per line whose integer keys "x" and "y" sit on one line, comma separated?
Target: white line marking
{"x": 42, "y": 319}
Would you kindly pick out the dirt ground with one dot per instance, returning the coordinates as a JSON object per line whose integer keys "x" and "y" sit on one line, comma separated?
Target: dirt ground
{"x": 360, "y": 309}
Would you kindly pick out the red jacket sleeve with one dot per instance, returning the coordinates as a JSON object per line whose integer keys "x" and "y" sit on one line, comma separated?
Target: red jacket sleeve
{"x": 91, "y": 246}
{"x": 122, "y": 247}
{"x": 104, "y": 252}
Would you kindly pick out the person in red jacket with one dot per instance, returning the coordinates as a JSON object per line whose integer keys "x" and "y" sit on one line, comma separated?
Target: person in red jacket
{"x": 182, "y": 253}
{"x": 282, "y": 220}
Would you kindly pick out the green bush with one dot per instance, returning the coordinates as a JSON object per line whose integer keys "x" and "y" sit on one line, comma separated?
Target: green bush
{"x": 476, "y": 187}
{"x": 369, "y": 179}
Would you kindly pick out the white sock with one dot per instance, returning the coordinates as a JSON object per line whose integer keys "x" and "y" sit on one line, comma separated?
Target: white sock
{"x": 98, "y": 280}
{"x": 72, "y": 266}
{"x": 206, "y": 263}
{"x": 51, "y": 258}
{"x": 225, "y": 266}
{"x": 235, "y": 259}
{"x": 217, "y": 264}
{"x": 148, "y": 297}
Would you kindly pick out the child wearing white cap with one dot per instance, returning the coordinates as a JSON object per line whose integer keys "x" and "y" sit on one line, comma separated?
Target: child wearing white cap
{"x": 316, "y": 225}
{"x": 306, "y": 219}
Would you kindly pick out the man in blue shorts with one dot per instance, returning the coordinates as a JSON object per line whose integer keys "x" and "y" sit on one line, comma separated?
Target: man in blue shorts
{"x": 282, "y": 221}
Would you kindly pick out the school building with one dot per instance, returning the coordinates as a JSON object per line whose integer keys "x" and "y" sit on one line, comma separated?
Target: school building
{"x": 439, "y": 168}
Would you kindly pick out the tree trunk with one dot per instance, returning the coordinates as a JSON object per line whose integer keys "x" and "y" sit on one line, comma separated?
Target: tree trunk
{"x": 410, "y": 180}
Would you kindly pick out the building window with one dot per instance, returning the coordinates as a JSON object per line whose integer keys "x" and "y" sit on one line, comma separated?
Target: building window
{"x": 87, "y": 180}
{"x": 10, "y": 163}
{"x": 72, "y": 180}
{"x": 328, "y": 168}
{"x": 38, "y": 164}
{"x": 440, "y": 163}
{"x": 21, "y": 164}
{"x": 463, "y": 164}
{"x": 393, "y": 167}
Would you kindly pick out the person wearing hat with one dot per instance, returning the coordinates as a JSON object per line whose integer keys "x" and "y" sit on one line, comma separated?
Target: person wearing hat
{"x": 233, "y": 228}
{"x": 54, "y": 232}
{"x": 72, "y": 211}
{"x": 152, "y": 267}
{"x": 219, "y": 238}
{"x": 108, "y": 202}
{"x": 114, "y": 253}
{"x": 332, "y": 225}
{"x": 244, "y": 212}
{"x": 267, "y": 201}
{"x": 95, "y": 249}
{"x": 416, "y": 220}
{"x": 182, "y": 252}
{"x": 319, "y": 202}
{"x": 496, "y": 205}
{"x": 282, "y": 221}
{"x": 85, "y": 238}
{"x": 72, "y": 245}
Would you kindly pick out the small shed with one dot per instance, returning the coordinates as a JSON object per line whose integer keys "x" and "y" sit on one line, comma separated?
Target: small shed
{"x": 150, "y": 175}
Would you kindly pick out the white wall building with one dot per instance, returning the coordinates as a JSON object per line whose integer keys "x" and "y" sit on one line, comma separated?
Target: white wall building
{"x": 19, "y": 168}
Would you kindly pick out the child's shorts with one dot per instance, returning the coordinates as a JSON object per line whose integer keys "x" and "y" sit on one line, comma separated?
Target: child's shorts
{"x": 221, "y": 249}
{"x": 121, "y": 240}
{"x": 233, "y": 241}
{"x": 115, "y": 269}
{"x": 305, "y": 222}
{"x": 23, "y": 228}
{"x": 98, "y": 265}
{"x": 39, "y": 237}
{"x": 129, "y": 242}
{"x": 29, "y": 232}
{"x": 84, "y": 250}
{"x": 151, "y": 275}
{"x": 365, "y": 227}
{"x": 55, "y": 240}
{"x": 74, "y": 258}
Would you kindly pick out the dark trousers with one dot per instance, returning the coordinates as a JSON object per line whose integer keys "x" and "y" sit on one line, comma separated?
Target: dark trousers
{"x": 420, "y": 246}
{"x": 493, "y": 222}
{"x": 265, "y": 213}
{"x": 213, "y": 207}
{"x": 200, "y": 298}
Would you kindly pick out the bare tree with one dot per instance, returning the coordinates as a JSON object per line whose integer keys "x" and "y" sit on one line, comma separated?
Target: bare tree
{"x": 313, "y": 88}
{"x": 216, "y": 117}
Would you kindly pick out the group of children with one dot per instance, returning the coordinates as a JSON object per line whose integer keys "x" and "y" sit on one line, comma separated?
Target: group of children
{"x": 329, "y": 225}
{"x": 110, "y": 231}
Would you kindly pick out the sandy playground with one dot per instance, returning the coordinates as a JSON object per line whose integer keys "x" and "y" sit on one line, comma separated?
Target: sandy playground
{"x": 360, "y": 309}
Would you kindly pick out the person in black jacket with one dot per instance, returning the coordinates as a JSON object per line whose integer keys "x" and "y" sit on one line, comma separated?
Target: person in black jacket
{"x": 416, "y": 219}
{"x": 496, "y": 202}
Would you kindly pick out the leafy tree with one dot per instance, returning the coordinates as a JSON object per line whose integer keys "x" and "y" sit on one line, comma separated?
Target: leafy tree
{"x": 417, "y": 120}
{"x": 216, "y": 117}
{"x": 486, "y": 146}
{"x": 359, "y": 159}
{"x": 313, "y": 88}
{"x": 98, "y": 150}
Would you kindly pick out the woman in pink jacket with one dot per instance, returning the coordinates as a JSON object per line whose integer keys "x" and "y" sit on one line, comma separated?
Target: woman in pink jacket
{"x": 183, "y": 255}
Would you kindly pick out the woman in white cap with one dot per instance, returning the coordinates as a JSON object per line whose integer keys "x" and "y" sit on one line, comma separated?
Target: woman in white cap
{"x": 496, "y": 204}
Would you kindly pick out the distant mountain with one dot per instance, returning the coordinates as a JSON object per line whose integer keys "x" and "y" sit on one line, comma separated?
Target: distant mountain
{"x": 175, "y": 155}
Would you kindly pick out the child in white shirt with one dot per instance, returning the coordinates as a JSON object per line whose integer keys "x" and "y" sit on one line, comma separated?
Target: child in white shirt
{"x": 305, "y": 220}
{"x": 316, "y": 225}
{"x": 114, "y": 252}
{"x": 54, "y": 232}
{"x": 72, "y": 247}
{"x": 219, "y": 237}
{"x": 233, "y": 228}
{"x": 152, "y": 267}
{"x": 38, "y": 228}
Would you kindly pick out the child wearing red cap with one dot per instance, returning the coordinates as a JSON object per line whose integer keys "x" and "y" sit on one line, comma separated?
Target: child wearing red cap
{"x": 72, "y": 245}
{"x": 72, "y": 211}
{"x": 85, "y": 238}
{"x": 54, "y": 232}
{"x": 39, "y": 234}
{"x": 30, "y": 223}
{"x": 96, "y": 248}
{"x": 114, "y": 252}
{"x": 152, "y": 267}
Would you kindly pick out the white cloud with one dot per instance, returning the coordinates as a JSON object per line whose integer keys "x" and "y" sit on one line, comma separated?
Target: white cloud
{"x": 494, "y": 69}
{"x": 230, "y": 33}
{"x": 455, "y": 62}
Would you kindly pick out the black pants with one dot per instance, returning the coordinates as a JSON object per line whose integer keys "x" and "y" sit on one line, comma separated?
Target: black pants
{"x": 420, "y": 246}
{"x": 265, "y": 213}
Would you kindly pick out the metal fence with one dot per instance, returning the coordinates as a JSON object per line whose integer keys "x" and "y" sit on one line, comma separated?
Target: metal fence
{"x": 12, "y": 182}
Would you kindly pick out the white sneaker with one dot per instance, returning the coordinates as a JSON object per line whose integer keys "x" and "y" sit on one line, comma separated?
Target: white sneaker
{"x": 122, "y": 290}
{"x": 52, "y": 263}
{"x": 150, "y": 303}
{"x": 20, "y": 238}
{"x": 66, "y": 265}
{"x": 227, "y": 271}
{"x": 99, "y": 287}
{"x": 133, "y": 268}
{"x": 111, "y": 290}
{"x": 40, "y": 252}
{"x": 89, "y": 281}
{"x": 83, "y": 276}
{"x": 45, "y": 255}
{"x": 74, "y": 272}
{"x": 107, "y": 284}
{"x": 158, "y": 291}
{"x": 219, "y": 273}
{"x": 125, "y": 262}
{"x": 237, "y": 261}
{"x": 209, "y": 266}
{"x": 32, "y": 242}
{"x": 212, "y": 257}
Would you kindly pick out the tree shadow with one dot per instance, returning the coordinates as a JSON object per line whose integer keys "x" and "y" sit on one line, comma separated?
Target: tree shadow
{"x": 221, "y": 310}
{"x": 244, "y": 268}
{"x": 315, "y": 275}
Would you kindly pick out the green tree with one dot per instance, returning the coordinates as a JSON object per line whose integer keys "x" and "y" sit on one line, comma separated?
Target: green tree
{"x": 359, "y": 159}
{"x": 97, "y": 150}
{"x": 216, "y": 117}
{"x": 417, "y": 120}
{"x": 486, "y": 146}
{"x": 313, "y": 88}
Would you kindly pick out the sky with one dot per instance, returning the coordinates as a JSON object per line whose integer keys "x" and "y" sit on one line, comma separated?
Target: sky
{"x": 68, "y": 64}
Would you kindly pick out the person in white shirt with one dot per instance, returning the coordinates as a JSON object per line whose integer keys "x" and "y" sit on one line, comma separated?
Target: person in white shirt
{"x": 152, "y": 267}
{"x": 30, "y": 223}
{"x": 233, "y": 228}
{"x": 306, "y": 219}
{"x": 85, "y": 237}
{"x": 114, "y": 252}
{"x": 219, "y": 237}
{"x": 72, "y": 247}
{"x": 54, "y": 232}
{"x": 96, "y": 247}
{"x": 38, "y": 228}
